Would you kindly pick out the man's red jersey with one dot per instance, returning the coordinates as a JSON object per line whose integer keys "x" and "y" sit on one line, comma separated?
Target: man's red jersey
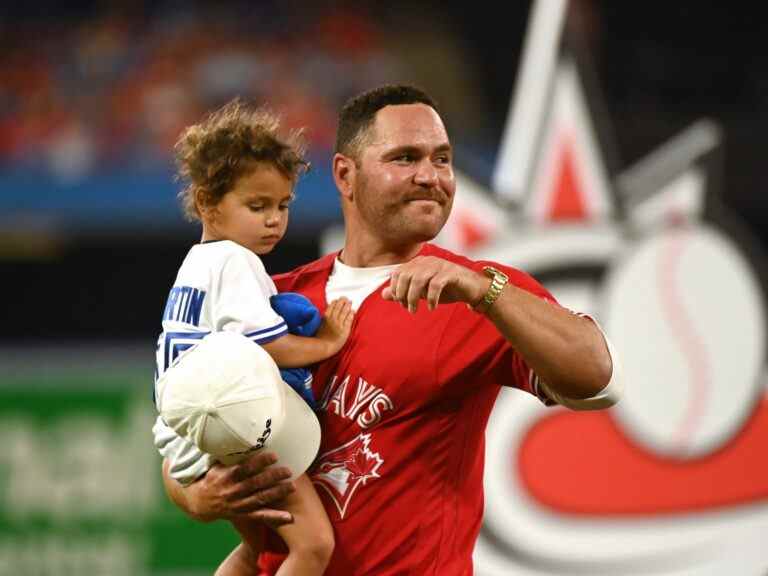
{"x": 403, "y": 410}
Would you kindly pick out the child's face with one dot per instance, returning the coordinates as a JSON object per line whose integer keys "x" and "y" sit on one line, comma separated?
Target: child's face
{"x": 255, "y": 212}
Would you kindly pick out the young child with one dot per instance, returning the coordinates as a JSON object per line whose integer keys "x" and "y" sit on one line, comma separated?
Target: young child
{"x": 240, "y": 173}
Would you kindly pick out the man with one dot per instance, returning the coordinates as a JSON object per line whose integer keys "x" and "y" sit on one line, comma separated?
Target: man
{"x": 405, "y": 403}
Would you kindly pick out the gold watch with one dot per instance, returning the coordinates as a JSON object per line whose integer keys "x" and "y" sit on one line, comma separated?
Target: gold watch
{"x": 498, "y": 281}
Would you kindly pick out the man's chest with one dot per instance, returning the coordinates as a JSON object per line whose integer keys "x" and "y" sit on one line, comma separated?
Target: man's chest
{"x": 387, "y": 369}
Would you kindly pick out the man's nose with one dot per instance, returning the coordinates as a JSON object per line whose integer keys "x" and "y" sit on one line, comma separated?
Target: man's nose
{"x": 426, "y": 173}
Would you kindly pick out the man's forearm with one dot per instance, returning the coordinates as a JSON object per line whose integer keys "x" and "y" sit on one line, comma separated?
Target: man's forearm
{"x": 567, "y": 351}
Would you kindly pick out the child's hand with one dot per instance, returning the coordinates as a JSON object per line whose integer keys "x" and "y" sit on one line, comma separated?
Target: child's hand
{"x": 337, "y": 324}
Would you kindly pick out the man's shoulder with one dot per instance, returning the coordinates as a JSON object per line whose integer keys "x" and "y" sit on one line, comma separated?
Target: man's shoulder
{"x": 315, "y": 271}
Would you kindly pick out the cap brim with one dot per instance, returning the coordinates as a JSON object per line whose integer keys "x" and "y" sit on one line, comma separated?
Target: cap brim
{"x": 297, "y": 439}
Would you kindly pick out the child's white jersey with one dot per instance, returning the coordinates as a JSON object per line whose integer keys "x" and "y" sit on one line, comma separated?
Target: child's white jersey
{"x": 220, "y": 286}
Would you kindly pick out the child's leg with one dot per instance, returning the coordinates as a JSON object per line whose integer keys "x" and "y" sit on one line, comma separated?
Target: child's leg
{"x": 310, "y": 537}
{"x": 242, "y": 561}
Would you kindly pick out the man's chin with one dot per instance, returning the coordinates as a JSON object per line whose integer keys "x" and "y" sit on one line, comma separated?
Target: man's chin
{"x": 425, "y": 231}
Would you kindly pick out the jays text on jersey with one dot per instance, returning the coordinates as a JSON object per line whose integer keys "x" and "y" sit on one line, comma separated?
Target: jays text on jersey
{"x": 404, "y": 407}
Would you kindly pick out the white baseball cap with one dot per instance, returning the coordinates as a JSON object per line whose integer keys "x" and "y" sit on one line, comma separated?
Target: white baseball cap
{"x": 227, "y": 397}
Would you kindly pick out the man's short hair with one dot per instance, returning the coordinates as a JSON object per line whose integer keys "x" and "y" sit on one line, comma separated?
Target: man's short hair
{"x": 358, "y": 114}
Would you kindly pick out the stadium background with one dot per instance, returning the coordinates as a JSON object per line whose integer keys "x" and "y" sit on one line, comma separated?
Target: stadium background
{"x": 92, "y": 96}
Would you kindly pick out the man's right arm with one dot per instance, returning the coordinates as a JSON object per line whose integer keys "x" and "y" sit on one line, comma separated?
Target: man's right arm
{"x": 244, "y": 490}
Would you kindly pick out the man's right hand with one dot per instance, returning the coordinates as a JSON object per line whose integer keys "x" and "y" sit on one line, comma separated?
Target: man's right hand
{"x": 242, "y": 490}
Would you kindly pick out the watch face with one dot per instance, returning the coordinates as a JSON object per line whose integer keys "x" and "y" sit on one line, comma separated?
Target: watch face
{"x": 491, "y": 271}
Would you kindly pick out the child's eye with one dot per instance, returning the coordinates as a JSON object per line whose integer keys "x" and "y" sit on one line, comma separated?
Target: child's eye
{"x": 256, "y": 207}
{"x": 284, "y": 207}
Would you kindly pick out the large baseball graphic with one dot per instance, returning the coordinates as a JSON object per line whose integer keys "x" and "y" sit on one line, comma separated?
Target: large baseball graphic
{"x": 686, "y": 311}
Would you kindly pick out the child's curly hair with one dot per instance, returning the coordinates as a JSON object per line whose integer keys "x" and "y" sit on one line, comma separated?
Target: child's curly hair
{"x": 212, "y": 155}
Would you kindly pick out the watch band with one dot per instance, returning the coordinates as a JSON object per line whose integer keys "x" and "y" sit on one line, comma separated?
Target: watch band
{"x": 498, "y": 281}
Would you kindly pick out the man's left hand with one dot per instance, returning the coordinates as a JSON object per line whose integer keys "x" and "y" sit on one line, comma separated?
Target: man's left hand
{"x": 437, "y": 281}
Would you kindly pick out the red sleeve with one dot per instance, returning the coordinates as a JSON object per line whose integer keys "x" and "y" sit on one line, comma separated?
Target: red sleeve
{"x": 473, "y": 352}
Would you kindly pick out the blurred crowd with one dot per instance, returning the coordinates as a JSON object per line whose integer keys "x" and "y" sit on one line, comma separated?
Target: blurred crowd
{"x": 118, "y": 85}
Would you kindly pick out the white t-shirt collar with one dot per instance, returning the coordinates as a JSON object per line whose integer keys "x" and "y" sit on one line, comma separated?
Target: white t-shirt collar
{"x": 355, "y": 283}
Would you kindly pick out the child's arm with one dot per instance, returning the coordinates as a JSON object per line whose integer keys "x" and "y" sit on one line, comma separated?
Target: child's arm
{"x": 291, "y": 351}
{"x": 243, "y": 560}
{"x": 310, "y": 537}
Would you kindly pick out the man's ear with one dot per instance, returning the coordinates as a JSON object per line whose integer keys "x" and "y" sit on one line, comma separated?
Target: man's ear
{"x": 344, "y": 174}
